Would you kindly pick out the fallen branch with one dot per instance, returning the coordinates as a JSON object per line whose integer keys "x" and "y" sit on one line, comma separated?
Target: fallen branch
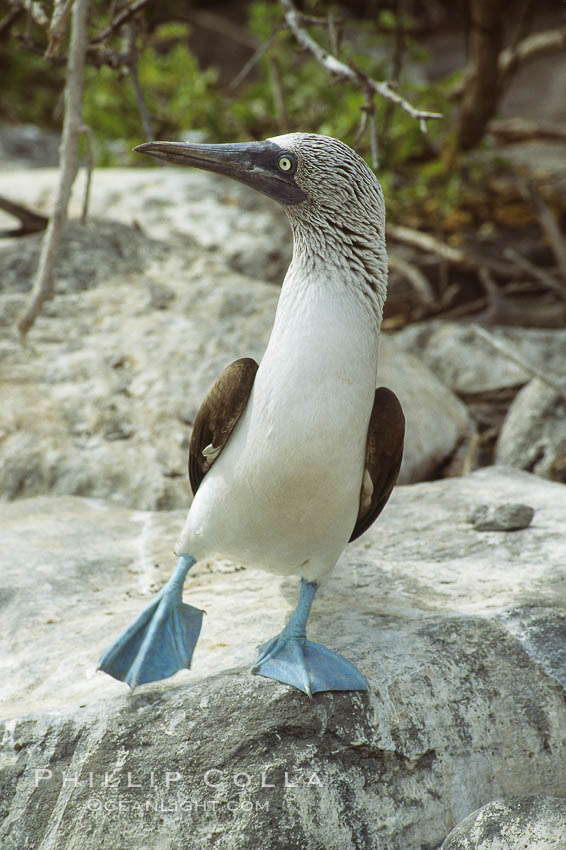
{"x": 426, "y": 242}
{"x": 57, "y": 27}
{"x": 87, "y": 132}
{"x": 72, "y": 126}
{"x": 138, "y": 92}
{"x": 529, "y": 48}
{"x": 253, "y": 60}
{"x": 415, "y": 277}
{"x": 336, "y": 67}
{"x": 31, "y": 222}
{"x": 34, "y": 9}
{"x": 523, "y": 130}
{"x": 122, "y": 19}
{"x": 543, "y": 277}
{"x": 510, "y": 354}
{"x": 549, "y": 226}
{"x": 10, "y": 19}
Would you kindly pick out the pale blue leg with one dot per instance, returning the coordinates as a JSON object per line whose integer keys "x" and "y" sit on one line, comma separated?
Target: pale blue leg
{"x": 161, "y": 640}
{"x": 310, "y": 667}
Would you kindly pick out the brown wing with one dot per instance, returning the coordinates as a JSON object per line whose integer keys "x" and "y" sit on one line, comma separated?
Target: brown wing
{"x": 384, "y": 453}
{"x": 218, "y": 415}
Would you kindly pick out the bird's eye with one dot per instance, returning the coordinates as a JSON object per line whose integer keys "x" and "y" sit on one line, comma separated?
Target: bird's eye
{"x": 285, "y": 163}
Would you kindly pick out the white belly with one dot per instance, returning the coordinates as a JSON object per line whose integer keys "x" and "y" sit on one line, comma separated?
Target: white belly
{"x": 284, "y": 493}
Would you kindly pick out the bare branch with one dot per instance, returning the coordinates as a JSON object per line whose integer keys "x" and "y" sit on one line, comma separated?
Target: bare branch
{"x": 278, "y": 97}
{"x": 122, "y": 19}
{"x": 426, "y": 242}
{"x": 535, "y": 271}
{"x": 342, "y": 71}
{"x": 34, "y": 9}
{"x": 253, "y": 60}
{"x": 72, "y": 125}
{"x": 220, "y": 24}
{"x": 549, "y": 227}
{"x": 415, "y": 277}
{"x": 133, "y": 69}
{"x": 86, "y": 131}
{"x": 531, "y": 47}
{"x": 523, "y": 129}
{"x": 11, "y": 18}
{"x": 57, "y": 27}
{"x": 31, "y": 222}
{"x": 370, "y": 109}
{"x": 506, "y": 350}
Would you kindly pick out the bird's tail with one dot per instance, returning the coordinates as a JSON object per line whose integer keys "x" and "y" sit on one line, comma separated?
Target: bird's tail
{"x": 161, "y": 640}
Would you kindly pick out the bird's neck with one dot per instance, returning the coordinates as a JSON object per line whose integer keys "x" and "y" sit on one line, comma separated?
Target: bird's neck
{"x": 339, "y": 263}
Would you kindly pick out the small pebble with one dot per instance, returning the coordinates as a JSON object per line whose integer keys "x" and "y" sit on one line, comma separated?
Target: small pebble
{"x": 506, "y": 517}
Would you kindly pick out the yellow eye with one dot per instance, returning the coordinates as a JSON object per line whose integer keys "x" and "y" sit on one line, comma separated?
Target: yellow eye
{"x": 285, "y": 163}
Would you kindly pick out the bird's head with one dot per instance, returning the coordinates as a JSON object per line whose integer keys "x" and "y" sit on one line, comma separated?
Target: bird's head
{"x": 316, "y": 178}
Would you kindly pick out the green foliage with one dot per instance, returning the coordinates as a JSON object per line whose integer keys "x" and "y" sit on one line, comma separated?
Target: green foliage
{"x": 179, "y": 96}
{"x": 184, "y": 100}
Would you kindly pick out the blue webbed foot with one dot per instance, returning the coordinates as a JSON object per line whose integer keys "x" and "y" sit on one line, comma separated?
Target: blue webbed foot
{"x": 308, "y": 666}
{"x": 292, "y": 659}
{"x": 161, "y": 640}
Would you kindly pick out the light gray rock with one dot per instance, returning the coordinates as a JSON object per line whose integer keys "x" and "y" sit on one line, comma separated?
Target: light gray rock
{"x": 195, "y": 208}
{"x": 515, "y": 823}
{"x": 469, "y": 365}
{"x": 101, "y": 399}
{"x": 533, "y": 436}
{"x": 507, "y": 517}
{"x": 437, "y": 423}
{"x": 462, "y": 637}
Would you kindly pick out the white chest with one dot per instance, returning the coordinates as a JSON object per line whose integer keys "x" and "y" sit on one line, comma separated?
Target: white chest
{"x": 284, "y": 493}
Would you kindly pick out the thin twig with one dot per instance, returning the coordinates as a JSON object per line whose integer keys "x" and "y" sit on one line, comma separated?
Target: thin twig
{"x": 543, "y": 277}
{"x": 278, "y": 96}
{"x": 253, "y": 60}
{"x": 362, "y": 127}
{"x": 549, "y": 227}
{"x": 57, "y": 27}
{"x": 492, "y": 293}
{"x": 426, "y": 242}
{"x": 339, "y": 69}
{"x": 138, "y": 92}
{"x": 415, "y": 277}
{"x": 31, "y": 222}
{"x": 333, "y": 33}
{"x": 223, "y": 26}
{"x": 370, "y": 109}
{"x": 10, "y": 19}
{"x": 515, "y": 357}
{"x": 122, "y": 19}
{"x": 72, "y": 125}
{"x": 524, "y": 129}
{"x": 396, "y": 62}
{"x": 86, "y": 131}
{"x": 531, "y": 47}
{"x": 35, "y": 11}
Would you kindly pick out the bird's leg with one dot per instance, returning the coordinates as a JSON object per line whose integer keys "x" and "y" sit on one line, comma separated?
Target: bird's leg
{"x": 291, "y": 658}
{"x": 161, "y": 640}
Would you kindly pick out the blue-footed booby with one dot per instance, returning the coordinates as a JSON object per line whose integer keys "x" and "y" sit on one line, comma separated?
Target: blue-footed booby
{"x": 291, "y": 459}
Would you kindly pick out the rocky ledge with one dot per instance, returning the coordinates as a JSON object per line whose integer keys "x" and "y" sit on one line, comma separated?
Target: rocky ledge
{"x": 461, "y": 633}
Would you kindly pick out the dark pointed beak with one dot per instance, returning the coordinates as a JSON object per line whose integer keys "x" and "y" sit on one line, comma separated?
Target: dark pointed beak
{"x": 252, "y": 163}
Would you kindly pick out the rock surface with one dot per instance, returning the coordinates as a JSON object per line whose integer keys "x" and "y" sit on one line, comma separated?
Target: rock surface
{"x": 461, "y": 633}
{"x": 194, "y": 208}
{"x": 469, "y": 365}
{"x": 515, "y": 823}
{"x": 533, "y": 436}
{"x": 507, "y": 517}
